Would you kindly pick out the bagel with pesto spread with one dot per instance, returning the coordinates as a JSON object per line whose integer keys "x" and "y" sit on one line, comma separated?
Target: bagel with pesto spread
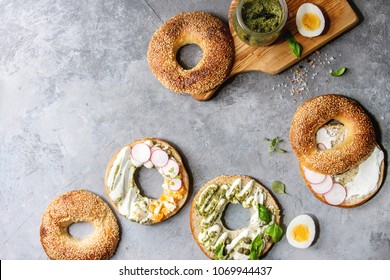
{"x": 218, "y": 242}
{"x": 123, "y": 192}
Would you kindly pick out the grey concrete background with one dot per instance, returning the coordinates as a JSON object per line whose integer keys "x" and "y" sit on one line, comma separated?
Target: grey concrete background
{"x": 75, "y": 86}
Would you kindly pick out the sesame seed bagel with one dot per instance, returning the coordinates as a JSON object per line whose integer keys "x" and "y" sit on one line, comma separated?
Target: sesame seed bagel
{"x": 311, "y": 115}
{"x": 196, "y": 217}
{"x": 73, "y": 207}
{"x": 200, "y": 28}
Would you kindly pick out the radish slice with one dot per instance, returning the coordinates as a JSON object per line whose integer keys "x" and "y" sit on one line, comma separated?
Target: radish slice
{"x": 324, "y": 186}
{"x": 171, "y": 169}
{"x": 336, "y": 195}
{"x": 148, "y": 164}
{"x": 141, "y": 152}
{"x": 321, "y": 146}
{"x": 314, "y": 177}
{"x": 159, "y": 158}
{"x": 154, "y": 148}
{"x": 174, "y": 184}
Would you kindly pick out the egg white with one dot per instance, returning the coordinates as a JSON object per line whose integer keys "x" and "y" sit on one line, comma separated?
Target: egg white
{"x": 311, "y": 9}
{"x": 303, "y": 220}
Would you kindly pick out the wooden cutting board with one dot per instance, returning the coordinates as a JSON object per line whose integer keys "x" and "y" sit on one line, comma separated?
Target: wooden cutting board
{"x": 273, "y": 59}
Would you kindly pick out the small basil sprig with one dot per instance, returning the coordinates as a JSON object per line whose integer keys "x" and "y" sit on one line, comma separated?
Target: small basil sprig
{"x": 274, "y": 231}
{"x": 256, "y": 248}
{"x": 274, "y": 145}
{"x": 339, "y": 72}
{"x": 294, "y": 45}
{"x": 264, "y": 214}
{"x": 219, "y": 251}
{"x": 278, "y": 187}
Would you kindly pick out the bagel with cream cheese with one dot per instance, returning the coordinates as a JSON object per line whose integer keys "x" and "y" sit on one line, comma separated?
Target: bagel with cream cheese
{"x": 218, "y": 242}
{"x": 339, "y": 159}
{"x": 359, "y": 140}
{"x": 200, "y": 28}
{"x": 123, "y": 192}
{"x": 351, "y": 188}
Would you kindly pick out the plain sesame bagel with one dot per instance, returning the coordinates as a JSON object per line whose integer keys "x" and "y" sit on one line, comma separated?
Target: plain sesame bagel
{"x": 359, "y": 141}
{"x": 73, "y": 207}
{"x": 207, "y": 224}
{"x": 200, "y": 28}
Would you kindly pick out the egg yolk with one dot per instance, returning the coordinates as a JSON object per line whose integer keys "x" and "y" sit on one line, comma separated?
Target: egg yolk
{"x": 311, "y": 21}
{"x": 300, "y": 233}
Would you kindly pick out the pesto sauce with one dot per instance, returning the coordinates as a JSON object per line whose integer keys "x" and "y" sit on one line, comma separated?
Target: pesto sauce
{"x": 262, "y": 16}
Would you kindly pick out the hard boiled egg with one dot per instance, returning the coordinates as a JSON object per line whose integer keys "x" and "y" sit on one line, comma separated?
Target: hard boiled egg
{"x": 301, "y": 231}
{"x": 310, "y": 20}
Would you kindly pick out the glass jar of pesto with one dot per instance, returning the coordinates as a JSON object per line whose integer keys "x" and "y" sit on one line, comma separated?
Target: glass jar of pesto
{"x": 259, "y": 22}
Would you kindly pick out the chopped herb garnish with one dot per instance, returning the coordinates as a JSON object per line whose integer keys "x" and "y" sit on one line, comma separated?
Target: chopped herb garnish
{"x": 278, "y": 187}
{"x": 274, "y": 145}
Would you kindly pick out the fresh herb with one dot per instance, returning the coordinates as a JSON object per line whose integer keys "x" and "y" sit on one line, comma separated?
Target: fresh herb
{"x": 264, "y": 214}
{"x": 294, "y": 45}
{"x": 219, "y": 251}
{"x": 274, "y": 145}
{"x": 171, "y": 170}
{"x": 256, "y": 248}
{"x": 278, "y": 187}
{"x": 339, "y": 72}
{"x": 274, "y": 231}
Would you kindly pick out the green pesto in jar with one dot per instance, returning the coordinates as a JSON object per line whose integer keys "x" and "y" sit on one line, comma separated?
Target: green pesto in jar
{"x": 262, "y": 16}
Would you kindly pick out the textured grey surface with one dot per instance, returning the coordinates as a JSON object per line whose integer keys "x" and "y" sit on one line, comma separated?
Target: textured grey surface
{"x": 75, "y": 86}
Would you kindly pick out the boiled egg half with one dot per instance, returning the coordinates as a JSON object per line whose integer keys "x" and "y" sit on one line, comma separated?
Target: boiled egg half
{"x": 310, "y": 20}
{"x": 301, "y": 231}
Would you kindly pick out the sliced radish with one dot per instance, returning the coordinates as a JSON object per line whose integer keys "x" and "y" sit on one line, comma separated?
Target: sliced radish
{"x": 321, "y": 146}
{"x": 336, "y": 195}
{"x": 174, "y": 184}
{"x": 324, "y": 186}
{"x": 148, "y": 164}
{"x": 159, "y": 158}
{"x": 171, "y": 169}
{"x": 154, "y": 148}
{"x": 314, "y": 177}
{"x": 141, "y": 152}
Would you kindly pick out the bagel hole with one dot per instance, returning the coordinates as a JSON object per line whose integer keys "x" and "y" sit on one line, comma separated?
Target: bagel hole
{"x": 333, "y": 128}
{"x": 80, "y": 230}
{"x": 235, "y": 217}
{"x": 189, "y": 56}
{"x": 149, "y": 182}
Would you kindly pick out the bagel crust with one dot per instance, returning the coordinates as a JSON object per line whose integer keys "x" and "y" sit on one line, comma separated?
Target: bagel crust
{"x": 73, "y": 207}
{"x": 196, "y": 218}
{"x": 200, "y": 28}
{"x": 316, "y": 112}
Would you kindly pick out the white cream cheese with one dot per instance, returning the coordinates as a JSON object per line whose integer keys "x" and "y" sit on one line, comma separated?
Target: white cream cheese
{"x": 368, "y": 172}
{"x": 124, "y": 192}
{"x": 367, "y": 177}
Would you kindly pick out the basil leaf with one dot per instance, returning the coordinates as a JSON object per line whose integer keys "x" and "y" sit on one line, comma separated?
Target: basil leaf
{"x": 256, "y": 248}
{"x": 264, "y": 214}
{"x": 274, "y": 231}
{"x": 274, "y": 145}
{"x": 294, "y": 45}
{"x": 219, "y": 251}
{"x": 339, "y": 72}
{"x": 278, "y": 187}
